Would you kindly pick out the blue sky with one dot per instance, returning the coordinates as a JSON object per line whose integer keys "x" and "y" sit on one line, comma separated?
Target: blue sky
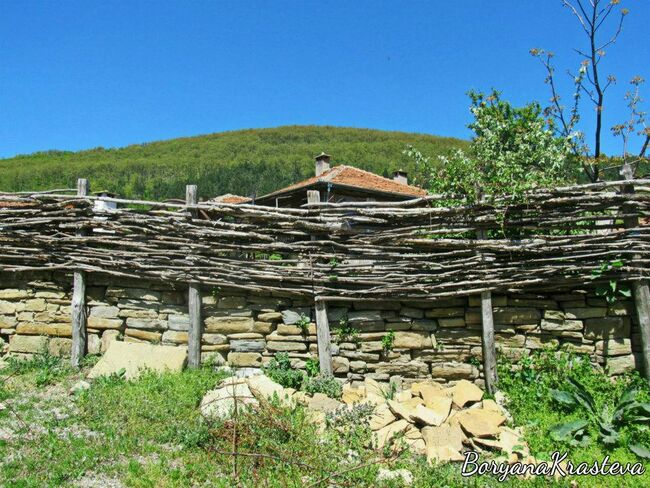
{"x": 76, "y": 75}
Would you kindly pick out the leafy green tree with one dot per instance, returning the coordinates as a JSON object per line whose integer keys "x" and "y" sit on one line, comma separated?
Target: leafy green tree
{"x": 513, "y": 150}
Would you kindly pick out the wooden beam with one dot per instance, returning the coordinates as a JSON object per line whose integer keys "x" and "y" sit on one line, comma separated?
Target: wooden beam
{"x": 487, "y": 337}
{"x": 193, "y": 300}
{"x": 79, "y": 333}
{"x": 323, "y": 337}
{"x": 640, "y": 288}
{"x": 322, "y": 323}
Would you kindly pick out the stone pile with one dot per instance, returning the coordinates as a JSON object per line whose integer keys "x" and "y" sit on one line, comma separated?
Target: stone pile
{"x": 436, "y": 421}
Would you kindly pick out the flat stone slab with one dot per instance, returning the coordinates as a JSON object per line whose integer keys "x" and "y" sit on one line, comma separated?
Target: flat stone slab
{"x": 133, "y": 357}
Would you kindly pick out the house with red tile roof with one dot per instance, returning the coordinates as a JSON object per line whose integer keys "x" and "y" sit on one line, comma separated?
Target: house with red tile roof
{"x": 343, "y": 184}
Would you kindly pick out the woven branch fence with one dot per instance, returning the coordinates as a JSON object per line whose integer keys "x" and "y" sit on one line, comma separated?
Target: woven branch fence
{"x": 412, "y": 250}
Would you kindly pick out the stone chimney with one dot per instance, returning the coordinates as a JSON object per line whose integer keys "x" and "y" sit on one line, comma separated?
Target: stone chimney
{"x": 401, "y": 176}
{"x": 322, "y": 163}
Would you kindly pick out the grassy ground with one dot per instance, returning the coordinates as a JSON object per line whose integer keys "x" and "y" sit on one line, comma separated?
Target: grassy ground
{"x": 148, "y": 433}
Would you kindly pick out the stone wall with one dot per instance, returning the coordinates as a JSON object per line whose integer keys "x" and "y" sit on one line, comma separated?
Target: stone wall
{"x": 439, "y": 339}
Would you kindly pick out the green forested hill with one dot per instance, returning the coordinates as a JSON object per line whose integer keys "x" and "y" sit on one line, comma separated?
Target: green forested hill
{"x": 240, "y": 162}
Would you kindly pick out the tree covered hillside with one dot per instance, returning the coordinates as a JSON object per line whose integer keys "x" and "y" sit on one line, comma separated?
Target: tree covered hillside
{"x": 240, "y": 162}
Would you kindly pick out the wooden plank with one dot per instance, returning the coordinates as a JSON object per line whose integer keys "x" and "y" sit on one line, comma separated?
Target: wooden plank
{"x": 323, "y": 337}
{"x": 193, "y": 300}
{"x": 639, "y": 288}
{"x": 79, "y": 313}
{"x": 487, "y": 337}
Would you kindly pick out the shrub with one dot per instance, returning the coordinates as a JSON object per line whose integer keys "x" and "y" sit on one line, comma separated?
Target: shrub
{"x": 323, "y": 383}
{"x": 388, "y": 341}
{"x": 279, "y": 370}
{"x": 312, "y": 366}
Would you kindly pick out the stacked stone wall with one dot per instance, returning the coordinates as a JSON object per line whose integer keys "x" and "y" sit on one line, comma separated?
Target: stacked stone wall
{"x": 439, "y": 339}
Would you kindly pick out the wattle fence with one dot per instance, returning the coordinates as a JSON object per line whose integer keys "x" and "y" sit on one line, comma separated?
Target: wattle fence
{"x": 415, "y": 250}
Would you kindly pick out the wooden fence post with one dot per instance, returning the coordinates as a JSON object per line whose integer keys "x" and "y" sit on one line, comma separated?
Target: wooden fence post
{"x": 640, "y": 288}
{"x": 79, "y": 333}
{"x": 487, "y": 337}
{"x": 193, "y": 300}
{"x": 322, "y": 323}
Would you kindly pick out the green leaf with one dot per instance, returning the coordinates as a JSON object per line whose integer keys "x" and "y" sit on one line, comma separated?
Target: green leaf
{"x": 565, "y": 432}
{"x": 563, "y": 397}
{"x": 639, "y": 450}
{"x": 583, "y": 396}
{"x": 625, "y": 291}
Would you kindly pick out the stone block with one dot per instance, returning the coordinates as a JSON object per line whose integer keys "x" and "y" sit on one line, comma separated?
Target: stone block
{"x": 606, "y": 328}
{"x": 138, "y": 313}
{"x": 427, "y": 325}
{"x": 361, "y": 316}
{"x": 13, "y": 294}
{"x": 514, "y": 316}
{"x": 10, "y": 307}
{"x": 35, "y": 305}
{"x": 229, "y": 325}
{"x": 60, "y": 347}
{"x": 286, "y": 346}
{"x": 101, "y": 323}
{"x": 178, "y": 322}
{"x": 263, "y": 327}
{"x": 28, "y": 344}
{"x": 7, "y": 322}
{"x": 214, "y": 339}
{"x": 269, "y": 317}
{"x": 105, "y": 312}
{"x": 445, "y": 312}
{"x": 451, "y": 322}
{"x": 614, "y": 347}
{"x": 145, "y": 335}
{"x": 620, "y": 364}
{"x": 412, "y": 340}
{"x": 453, "y": 371}
{"x": 175, "y": 336}
{"x": 340, "y": 365}
{"x": 39, "y": 328}
{"x": 414, "y": 369}
{"x": 232, "y": 302}
{"x": 94, "y": 344}
{"x": 133, "y": 294}
{"x": 247, "y": 345}
{"x": 135, "y": 357}
{"x": 414, "y": 313}
{"x": 245, "y": 359}
{"x": 585, "y": 313}
{"x": 146, "y": 324}
{"x": 561, "y": 325}
{"x": 108, "y": 336}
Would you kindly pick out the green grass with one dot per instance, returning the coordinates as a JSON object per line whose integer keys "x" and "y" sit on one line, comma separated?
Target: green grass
{"x": 527, "y": 385}
{"x": 240, "y": 162}
{"x": 148, "y": 433}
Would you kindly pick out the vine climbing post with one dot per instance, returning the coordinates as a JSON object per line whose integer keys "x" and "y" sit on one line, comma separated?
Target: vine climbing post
{"x": 79, "y": 333}
{"x": 193, "y": 300}
{"x": 640, "y": 288}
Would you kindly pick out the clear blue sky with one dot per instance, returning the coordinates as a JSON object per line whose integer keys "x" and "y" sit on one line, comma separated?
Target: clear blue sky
{"x": 81, "y": 74}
